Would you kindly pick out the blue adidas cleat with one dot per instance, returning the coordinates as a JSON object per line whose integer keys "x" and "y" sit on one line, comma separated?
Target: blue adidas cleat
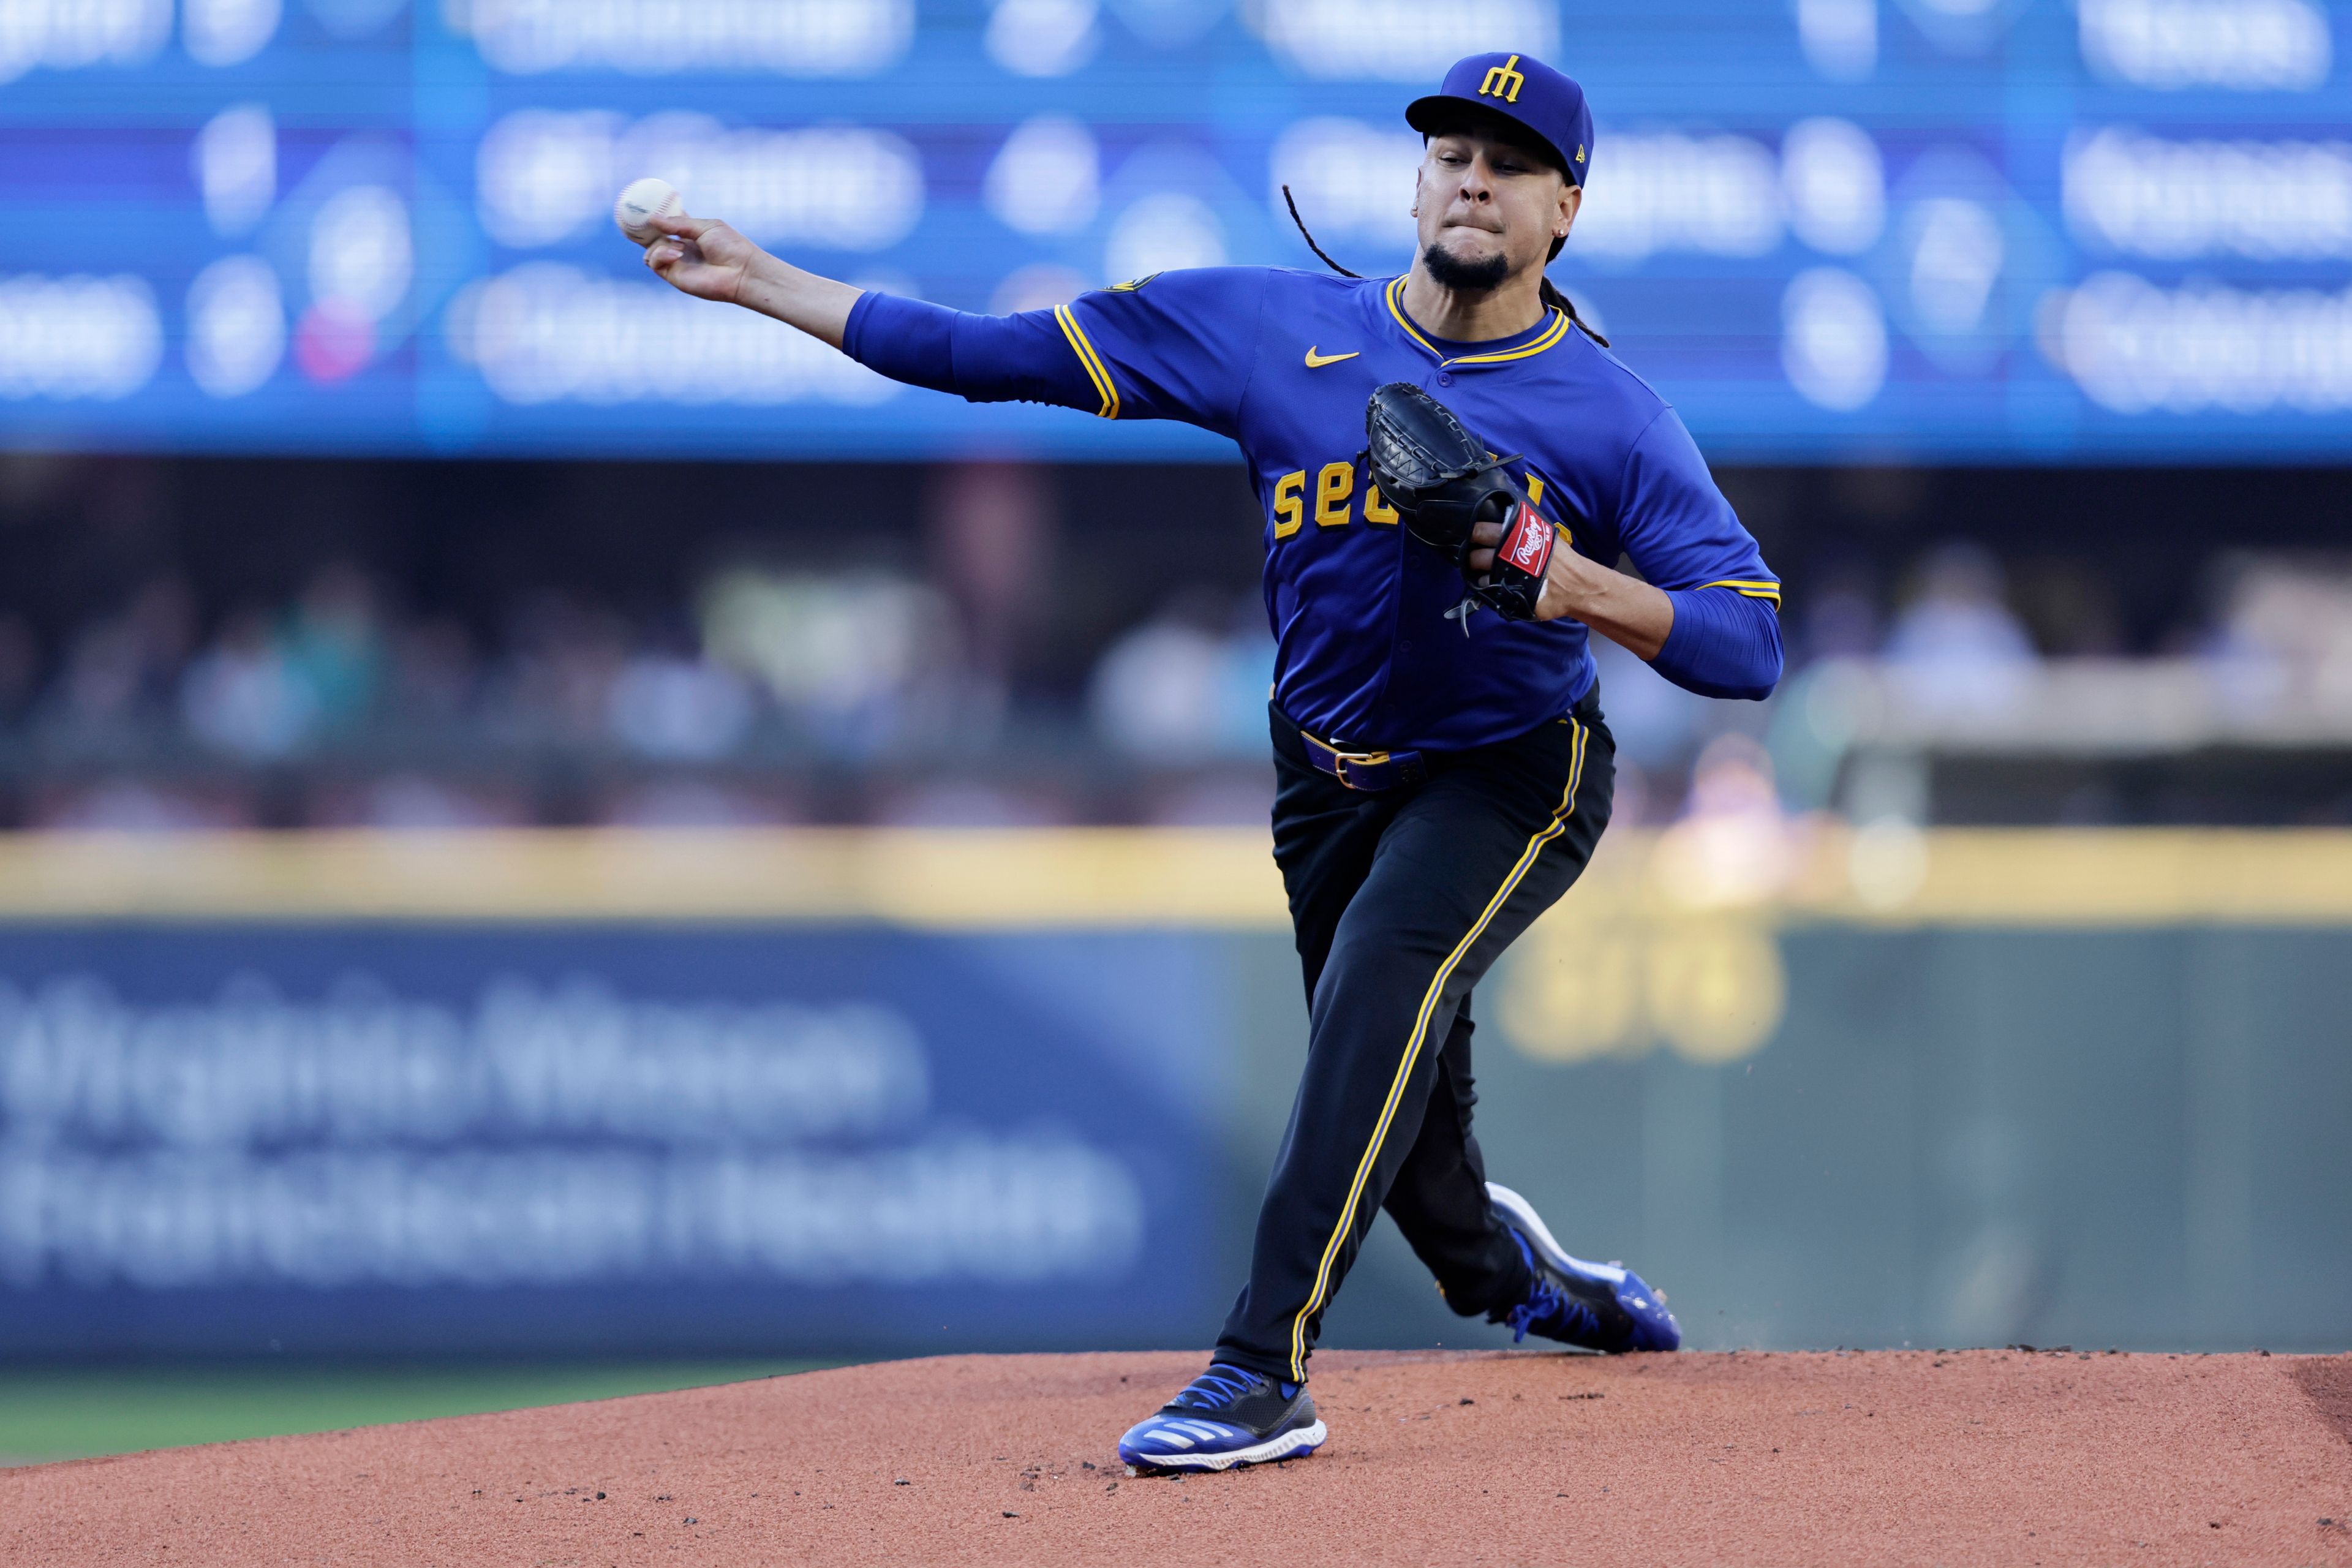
{"x": 1594, "y": 1306}
{"x": 1226, "y": 1416}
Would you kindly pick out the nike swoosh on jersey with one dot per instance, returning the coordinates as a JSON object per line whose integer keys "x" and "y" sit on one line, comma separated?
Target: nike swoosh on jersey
{"x": 1316, "y": 361}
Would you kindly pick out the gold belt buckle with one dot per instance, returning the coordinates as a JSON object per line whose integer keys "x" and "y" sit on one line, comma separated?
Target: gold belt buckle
{"x": 1339, "y": 760}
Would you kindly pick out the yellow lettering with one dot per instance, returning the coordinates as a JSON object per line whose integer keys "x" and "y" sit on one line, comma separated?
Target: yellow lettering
{"x": 1333, "y": 486}
{"x": 1289, "y": 507}
{"x": 1535, "y": 498}
{"x": 1375, "y": 509}
{"x": 1503, "y": 81}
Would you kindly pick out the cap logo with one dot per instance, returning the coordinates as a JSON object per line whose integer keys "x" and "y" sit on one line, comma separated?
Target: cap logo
{"x": 1580, "y": 152}
{"x": 1503, "y": 81}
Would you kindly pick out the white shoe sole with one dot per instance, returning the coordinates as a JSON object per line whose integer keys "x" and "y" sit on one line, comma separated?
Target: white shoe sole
{"x": 1522, "y": 1213}
{"x": 1303, "y": 1439}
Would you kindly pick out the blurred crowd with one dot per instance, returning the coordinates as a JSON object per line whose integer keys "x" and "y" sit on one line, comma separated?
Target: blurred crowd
{"x": 772, "y": 696}
{"x": 776, "y": 696}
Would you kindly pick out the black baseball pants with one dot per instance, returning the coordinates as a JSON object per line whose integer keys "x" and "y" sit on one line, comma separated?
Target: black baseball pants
{"x": 1401, "y": 899}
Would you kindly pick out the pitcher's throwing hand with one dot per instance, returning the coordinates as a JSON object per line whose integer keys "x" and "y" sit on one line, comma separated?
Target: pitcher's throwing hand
{"x": 702, "y": 257}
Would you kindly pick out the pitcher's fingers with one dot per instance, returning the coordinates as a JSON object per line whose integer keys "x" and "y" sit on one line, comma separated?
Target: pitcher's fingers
{"x": 684, "y": 225}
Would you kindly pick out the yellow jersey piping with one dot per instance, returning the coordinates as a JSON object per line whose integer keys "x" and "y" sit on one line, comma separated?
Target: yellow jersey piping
{"x": 1395, "y": 293}
{"x": 1747, "y": 588}
{"x": 1545, "y": 835}
{"x": 1551, "y": 334}
{"x": 1095, "y": 371}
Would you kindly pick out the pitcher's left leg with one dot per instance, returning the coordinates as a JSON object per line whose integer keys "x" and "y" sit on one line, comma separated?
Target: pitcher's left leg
{"x": 1490, "y": 842}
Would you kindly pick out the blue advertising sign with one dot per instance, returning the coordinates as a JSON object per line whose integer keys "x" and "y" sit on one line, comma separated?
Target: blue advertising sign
{"x": 384, "y": 1139}
{"x": 1829, "y": 229}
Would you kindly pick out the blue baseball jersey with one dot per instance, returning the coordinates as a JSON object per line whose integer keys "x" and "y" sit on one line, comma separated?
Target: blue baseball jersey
{"x": 1284, "y": 361}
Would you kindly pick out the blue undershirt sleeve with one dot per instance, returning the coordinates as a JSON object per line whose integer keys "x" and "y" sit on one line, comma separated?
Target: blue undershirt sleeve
{"x": 1722, "y": 645}
{"x": 1686, "y": 539}
{"x": 983, "y": 359}
{"x": 1177, "y": 345}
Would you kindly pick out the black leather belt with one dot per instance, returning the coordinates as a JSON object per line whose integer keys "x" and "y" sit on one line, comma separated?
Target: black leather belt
{"x": 1365, "y": 770}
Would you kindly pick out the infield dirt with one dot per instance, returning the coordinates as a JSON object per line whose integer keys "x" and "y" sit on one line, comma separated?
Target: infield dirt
{"x": 1980, "y": 1456}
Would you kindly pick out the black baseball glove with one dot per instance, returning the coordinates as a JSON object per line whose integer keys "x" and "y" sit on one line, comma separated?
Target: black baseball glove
{"x": 1443, "y": 482}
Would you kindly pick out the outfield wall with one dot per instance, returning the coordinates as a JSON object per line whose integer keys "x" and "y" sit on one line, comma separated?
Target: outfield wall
{"x": 887, "y": 1092}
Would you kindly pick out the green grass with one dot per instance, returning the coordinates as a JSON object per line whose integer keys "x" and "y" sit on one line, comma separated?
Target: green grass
{"x": 68, "y": 1413}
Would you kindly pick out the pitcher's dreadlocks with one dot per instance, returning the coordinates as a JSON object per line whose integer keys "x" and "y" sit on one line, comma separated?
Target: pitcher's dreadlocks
{"x": 1550, "y": 295}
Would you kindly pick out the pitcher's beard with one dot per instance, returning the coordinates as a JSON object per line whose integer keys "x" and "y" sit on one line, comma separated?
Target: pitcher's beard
{"x": 1476, "y": 277}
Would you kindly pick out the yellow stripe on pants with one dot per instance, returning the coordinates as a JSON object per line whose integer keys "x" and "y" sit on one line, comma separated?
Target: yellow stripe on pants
{"x": 1550, "y": 831}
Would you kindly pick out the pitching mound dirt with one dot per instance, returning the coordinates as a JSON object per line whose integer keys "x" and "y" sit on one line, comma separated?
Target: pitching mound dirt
{"x": 1984, "y": 1456}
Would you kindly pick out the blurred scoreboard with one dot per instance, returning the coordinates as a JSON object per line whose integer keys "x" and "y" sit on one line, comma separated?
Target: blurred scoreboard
{"x": 1843, "y": 230}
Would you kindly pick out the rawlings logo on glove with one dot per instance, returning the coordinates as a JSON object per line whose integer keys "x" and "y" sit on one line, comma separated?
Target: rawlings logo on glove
{"x": 1527, "y": 544}
{"x": 1443, "y": 482}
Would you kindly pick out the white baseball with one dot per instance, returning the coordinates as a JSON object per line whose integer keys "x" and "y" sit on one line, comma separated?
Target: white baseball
{"x": 643, "y": 201}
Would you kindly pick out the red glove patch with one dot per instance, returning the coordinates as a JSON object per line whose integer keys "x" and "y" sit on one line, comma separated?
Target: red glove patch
{"x": 1526, "y": 542}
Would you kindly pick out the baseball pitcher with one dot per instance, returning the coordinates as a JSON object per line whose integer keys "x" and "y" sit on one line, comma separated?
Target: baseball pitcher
{"x": 1450, "y": 467}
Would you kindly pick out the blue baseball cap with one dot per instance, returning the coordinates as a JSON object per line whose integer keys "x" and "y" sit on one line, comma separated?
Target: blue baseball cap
{"x": 1517, "y": 88}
